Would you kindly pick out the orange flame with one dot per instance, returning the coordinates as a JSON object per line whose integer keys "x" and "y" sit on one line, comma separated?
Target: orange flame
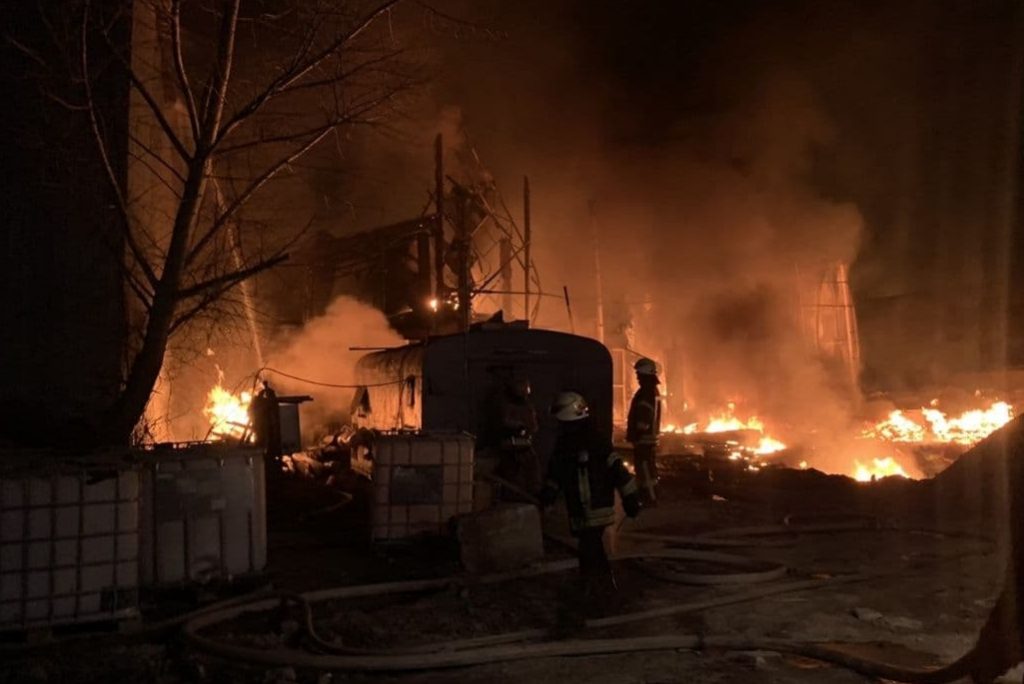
{"x": 967, "y": 429}
{"x": 880, "y": 467}
{"x": 726, "y": 421}
{"x": 228, "y": 413}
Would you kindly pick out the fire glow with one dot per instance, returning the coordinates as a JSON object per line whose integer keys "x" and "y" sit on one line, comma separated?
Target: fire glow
{"x": 727, "y": 421}
{"x": 879, "y": 468}
{"x": 936, "y": 427}
{"x": 228, "y": 413}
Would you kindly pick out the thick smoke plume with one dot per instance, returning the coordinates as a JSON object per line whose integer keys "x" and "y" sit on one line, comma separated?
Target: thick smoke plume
{"x": 322, "y": 351}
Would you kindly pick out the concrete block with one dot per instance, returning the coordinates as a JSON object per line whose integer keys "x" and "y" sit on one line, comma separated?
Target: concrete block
{"x": 505, "y": 537}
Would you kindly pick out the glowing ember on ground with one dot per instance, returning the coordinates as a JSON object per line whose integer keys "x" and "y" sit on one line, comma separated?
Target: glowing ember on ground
{"x": 880, "y": 467}
{"x": 228, "y": 413}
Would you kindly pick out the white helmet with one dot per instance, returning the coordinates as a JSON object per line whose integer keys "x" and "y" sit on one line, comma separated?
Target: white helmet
{"x": 645, "y": 367}
{"x": 569, "y": 407}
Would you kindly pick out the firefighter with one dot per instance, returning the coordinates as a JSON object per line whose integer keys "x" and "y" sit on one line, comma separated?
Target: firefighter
{"x": 643, "y": 427}
{"x": 265, "y": 419}
{"x": 587, "y": 471}
{"x": 517, "y": 427}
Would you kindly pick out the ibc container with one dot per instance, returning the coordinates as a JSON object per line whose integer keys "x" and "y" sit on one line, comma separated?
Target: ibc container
{"x": 203, "y": 513}
{"x": 69, "y": 540}
{"x": 420, "y": 482}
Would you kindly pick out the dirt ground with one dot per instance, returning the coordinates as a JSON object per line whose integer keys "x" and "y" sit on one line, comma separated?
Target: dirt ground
{"x": 901, "y": 593}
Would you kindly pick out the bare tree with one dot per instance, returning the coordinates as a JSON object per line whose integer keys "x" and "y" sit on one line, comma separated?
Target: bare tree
{"x": 224, "y": 97}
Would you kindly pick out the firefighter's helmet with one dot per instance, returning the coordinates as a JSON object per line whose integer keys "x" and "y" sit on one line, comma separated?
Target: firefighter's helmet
{"x": 645, "y": 367}
{"x": 569, "y": 407}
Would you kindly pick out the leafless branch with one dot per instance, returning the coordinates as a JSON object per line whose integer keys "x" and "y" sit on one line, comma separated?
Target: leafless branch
{"x": 151, "y": 103}
{"x": 298, "y": 71}
{"x": 216, "y": 94}
{"x": 230, "y": 279}
{"x": 101, "y": 144}
{"x": 159, "y": 159}
{"x": 253, "y": 187}
{"x": 179, "y": 69}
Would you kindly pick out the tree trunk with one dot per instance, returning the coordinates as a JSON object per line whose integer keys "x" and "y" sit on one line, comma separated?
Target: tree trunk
{"x": 119, "y": 422}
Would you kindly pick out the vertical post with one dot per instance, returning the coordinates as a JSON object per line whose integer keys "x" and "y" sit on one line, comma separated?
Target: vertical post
{"x": 597, "y": 273}
{"x": 439, "y": 292}
{"x": 568, "y": 309}
{"x": 424, "y": 269}
{"x": 505, "y": 257}
{"x": 852, "y": 341}
{"x": 462, "y": 249}
{"x": 526, "y": 249}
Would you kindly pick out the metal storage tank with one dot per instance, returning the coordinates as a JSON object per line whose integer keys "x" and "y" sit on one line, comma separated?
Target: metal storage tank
{"x": 69, "y": 539}
{"x": 203, "y": 509}
{"x": 443, "y": 383}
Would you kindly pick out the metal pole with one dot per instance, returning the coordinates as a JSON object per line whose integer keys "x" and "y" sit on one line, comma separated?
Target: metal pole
{"x": 568, "y": 308}
{"x": 439, "y": 218}
{"x": 505, "y": 256}
{"x": 526, "y": 248}
{"x": 462, "y": 238}
{"x": 597, "y": 273}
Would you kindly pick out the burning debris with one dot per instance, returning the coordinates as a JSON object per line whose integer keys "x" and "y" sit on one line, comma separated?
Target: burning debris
{"x": 936, "y": 426}
{"x": 227, "y": 412}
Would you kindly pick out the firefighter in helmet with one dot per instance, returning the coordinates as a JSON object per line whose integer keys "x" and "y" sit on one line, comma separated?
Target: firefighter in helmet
{"x": 517, "y": 426}
{"x": 643, "y": 426}
{"x": 266, "y": 421}
{"x": 587, "y": 471}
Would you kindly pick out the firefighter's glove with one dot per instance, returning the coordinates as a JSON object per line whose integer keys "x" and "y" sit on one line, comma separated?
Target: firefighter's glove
{"x": 631, "y": 504}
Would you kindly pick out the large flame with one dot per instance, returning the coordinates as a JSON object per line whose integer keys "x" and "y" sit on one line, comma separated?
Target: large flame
{"x": 937, "y": 427}
{"x": 228, "y": 413}
{"x": 879, "y": 468}
{"x": 727, "y": 421}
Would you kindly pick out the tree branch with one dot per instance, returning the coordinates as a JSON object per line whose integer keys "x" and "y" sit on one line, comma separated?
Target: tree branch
{"x": 290, "y": 76}
{"x": 230, "y": 279}
{"x": 216, "y": 94}
{"x": 255, "y": 185}
{"x": 179, "y": 69}
{"x": 154, "y": 106}
{"x": 122, "y": 205}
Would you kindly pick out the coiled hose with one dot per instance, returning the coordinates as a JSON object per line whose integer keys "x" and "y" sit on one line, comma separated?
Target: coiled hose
{"x": 511, "y": 646}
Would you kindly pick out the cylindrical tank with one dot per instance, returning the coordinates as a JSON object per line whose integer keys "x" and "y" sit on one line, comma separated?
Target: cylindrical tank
{"x": 203, "y": 513}
{"x": 446, "y": 382}
{"x": 69, "y": 539}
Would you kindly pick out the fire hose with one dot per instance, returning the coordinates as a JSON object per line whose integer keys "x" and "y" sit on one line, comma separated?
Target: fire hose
{"x": 509, "y": 646}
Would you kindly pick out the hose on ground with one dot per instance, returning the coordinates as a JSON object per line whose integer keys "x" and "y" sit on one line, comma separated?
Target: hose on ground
{"x": 509, "y": 646}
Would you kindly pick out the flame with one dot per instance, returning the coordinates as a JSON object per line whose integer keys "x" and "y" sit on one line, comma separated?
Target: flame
{"x": 768, "y": 445}
{"x": 726, "y": 421}
{"x": 897, "y": 428}
{"x": 228, "y": 413}
{"x": 967, "y": 429}
{"x": 880, "y": 467}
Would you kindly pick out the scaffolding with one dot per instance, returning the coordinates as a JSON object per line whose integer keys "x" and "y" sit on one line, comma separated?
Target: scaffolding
{"x": 828, "y": 317}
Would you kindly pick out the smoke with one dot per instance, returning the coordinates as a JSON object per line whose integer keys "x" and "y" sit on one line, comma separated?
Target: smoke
{"x": 323, "y": 351}
{"x": 721, "y": 153}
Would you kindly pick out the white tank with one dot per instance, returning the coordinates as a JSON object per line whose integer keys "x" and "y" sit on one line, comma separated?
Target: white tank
{"x": 203, "y": 511}
{"x": 69, "y": 539}
{"x": 420, "y": 482}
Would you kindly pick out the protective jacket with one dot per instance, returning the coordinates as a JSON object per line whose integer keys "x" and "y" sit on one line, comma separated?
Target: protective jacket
{"x": 643, "y": 425}
{"x": 588, "y": 471}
